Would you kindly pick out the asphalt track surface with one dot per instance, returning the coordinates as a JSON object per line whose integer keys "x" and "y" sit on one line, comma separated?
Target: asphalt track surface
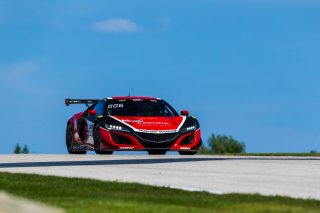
{"x": 297, "y": 177}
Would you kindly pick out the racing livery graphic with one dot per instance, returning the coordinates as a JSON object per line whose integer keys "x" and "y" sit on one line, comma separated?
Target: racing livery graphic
{"x": 131, "y": 123}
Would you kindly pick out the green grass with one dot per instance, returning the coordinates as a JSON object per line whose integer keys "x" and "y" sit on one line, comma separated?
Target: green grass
{"x": 279, "y": 154}
{"x": 86, "y": 195}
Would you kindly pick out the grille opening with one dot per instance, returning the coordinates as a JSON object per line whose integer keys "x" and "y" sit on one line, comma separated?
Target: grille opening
{"x": 157, "y": 137}
{"x": 119, "y": 139}
{"x": 153, "y": 145}
{"x": 187, "y": 140}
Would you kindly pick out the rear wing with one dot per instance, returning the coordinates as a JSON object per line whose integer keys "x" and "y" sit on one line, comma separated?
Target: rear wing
{"x": 69, "y": 101}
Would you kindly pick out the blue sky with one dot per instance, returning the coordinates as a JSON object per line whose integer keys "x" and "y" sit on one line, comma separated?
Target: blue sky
{"x": 245, "y": 68}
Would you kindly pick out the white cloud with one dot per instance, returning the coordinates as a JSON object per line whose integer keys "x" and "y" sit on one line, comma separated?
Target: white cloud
{"x": 19, "y": 77}
{"x": 16, "y": 73}
{"x": 116, "y": 25}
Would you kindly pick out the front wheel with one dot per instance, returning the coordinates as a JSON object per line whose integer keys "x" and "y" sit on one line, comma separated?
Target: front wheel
{"x": 188, "y": 152}
{"x": 97, "y": 140}
{"x": 157, "y": 152}
{"x": 69, "y": 142}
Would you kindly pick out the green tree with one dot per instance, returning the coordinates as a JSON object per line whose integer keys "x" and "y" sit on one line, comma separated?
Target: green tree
{"x": 222, "y": 144}
{"x": 17, "y": 149}
{"x": 25, "y": 150}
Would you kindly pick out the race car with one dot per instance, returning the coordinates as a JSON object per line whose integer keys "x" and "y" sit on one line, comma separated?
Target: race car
{"x": 131, "y": 123}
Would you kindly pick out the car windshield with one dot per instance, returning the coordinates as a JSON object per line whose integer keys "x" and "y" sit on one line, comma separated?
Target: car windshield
{"x": 139, "y": 108}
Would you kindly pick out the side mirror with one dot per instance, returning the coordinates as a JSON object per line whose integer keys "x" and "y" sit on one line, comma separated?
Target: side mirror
{"x": 185, "y": 112}
{"x": 92, "y": 112}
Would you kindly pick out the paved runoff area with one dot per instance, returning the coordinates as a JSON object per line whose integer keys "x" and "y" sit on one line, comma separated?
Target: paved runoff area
{"x": 12, "y": 204}
{"x": 297, "y": 177}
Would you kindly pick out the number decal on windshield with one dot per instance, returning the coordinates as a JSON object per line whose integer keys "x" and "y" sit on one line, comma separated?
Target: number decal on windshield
{"x": 112, "y": 106}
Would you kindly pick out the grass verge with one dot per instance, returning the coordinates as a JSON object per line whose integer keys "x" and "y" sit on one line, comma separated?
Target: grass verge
{"x": 279, "y": 154}
{"x": 86, "y": 195}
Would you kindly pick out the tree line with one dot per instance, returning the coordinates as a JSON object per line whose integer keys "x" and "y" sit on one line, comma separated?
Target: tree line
{"x": 19, "y": 150}
{"x": 223, "y": 144}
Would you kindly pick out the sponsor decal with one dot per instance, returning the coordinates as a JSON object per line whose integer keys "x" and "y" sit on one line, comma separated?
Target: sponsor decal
{"x": 155, "y": 123}
{"x": 133, "y": 121}
{"x": 130, "y": 122}
{"x": 78, "y": 147}
{"x": 126, "y": 147}
{"x": 156, "y": 131}
{"x": 185, "y": 147}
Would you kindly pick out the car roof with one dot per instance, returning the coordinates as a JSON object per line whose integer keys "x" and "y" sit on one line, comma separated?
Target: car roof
{"x": 133, "y": 97}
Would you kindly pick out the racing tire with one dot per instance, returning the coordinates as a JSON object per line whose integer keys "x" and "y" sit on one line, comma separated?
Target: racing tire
{"x": 97, "y": 140}
{"x": 69, "y": 142}
{"x": 188, "y": 152}
{"x": 157, "y": 152}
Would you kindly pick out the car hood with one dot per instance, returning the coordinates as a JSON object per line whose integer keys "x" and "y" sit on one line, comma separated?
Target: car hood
{"x": 152, "y": 123}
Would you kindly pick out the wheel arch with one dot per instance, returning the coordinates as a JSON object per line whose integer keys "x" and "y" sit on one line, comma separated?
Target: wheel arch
{"x": 97, "y": 122}
{"x": 69, "y": 124}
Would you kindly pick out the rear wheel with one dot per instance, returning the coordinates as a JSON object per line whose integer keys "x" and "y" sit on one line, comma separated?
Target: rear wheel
{"x": 157, "y": 152}
{"x": 69, "y": 141}
{"x": 188, "y": 152}
{"x": 97, "y": 140}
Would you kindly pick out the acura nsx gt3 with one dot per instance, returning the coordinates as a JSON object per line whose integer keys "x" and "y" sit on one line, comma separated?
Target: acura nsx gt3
{"x": 131, "y": 123}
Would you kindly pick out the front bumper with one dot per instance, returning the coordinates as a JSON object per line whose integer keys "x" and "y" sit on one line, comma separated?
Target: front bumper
{"x": 120, "y": 140}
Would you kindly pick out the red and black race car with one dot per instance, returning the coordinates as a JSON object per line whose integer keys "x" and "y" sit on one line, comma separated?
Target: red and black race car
{"x": 131, "y": 123}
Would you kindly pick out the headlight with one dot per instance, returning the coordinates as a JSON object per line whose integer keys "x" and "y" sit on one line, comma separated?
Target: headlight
{"x": 116, "y": 127}
{"x": 189, "y": 128}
